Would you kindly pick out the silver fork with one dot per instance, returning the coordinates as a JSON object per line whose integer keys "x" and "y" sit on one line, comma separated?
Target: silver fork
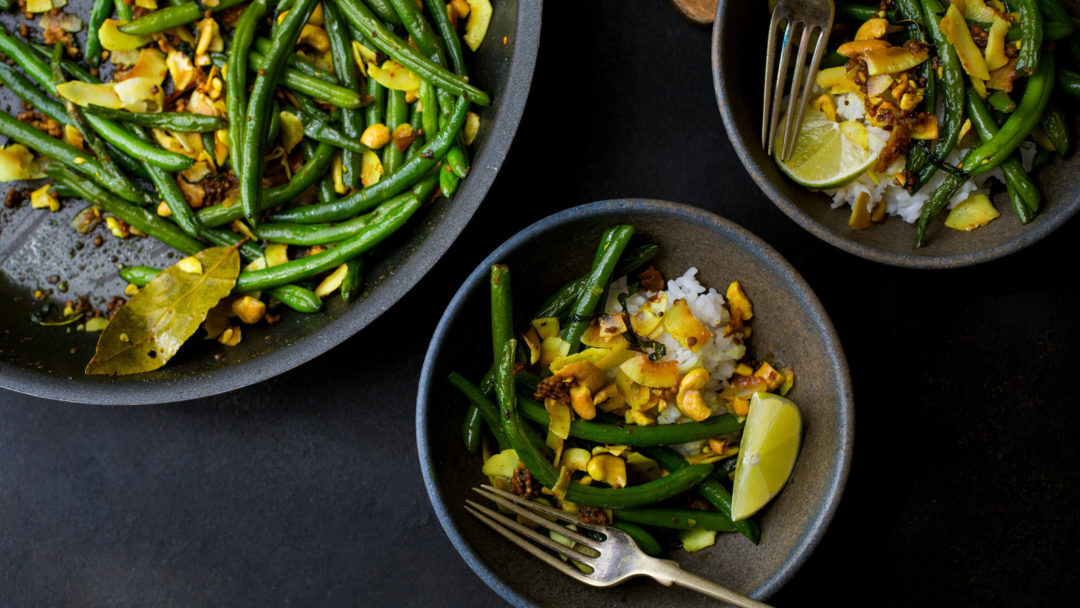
{"x": 807, "y": 17}
{"x": 613, "y": 560}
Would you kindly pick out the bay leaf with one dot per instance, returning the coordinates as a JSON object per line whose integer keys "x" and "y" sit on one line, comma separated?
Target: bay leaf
{"x": 148, "y": 330}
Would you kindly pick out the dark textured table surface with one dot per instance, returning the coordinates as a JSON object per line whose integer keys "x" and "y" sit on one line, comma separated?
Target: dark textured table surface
{"x": 305, "y": 489}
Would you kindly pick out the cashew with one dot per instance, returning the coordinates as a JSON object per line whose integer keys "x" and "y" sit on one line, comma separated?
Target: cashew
{"x": 689, "y": 399}
{"x": 581, "y": 400}
{"x": 576, "y": 459}
{"x": 608, "y": 469}
{"x": 375, "y": 136}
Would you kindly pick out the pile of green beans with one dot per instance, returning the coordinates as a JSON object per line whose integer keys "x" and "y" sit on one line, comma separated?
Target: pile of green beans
{"x": 129, "y": 175}
{"x": 1040, "y": 27}
{"x": 510, "y": 413}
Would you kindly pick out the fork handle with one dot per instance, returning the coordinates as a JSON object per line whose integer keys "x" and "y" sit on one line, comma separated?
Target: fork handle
{"x": 668, "y": 572}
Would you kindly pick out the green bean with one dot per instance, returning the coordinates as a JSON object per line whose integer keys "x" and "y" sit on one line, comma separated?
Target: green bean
{"x": 991, "y": 153}
{"x": 28, "y": 91}
{"x": 320, "y": 131}
{"x": 559, "y": 303}
{"x": 859, "y": 13}
{"x": 1053, "y": 122}
{"x": 299, "y": 63}
{"x": 375, "y": 112}
{"x": 163, "y": 19}
{"x": 1031, "y": 36}
{"x": 1069, "y": 82}
{"x": 354, "y": 280}
{"x": 322, "y": 234}
{"x": 352, "y": 121}
{"x": 595, "y": 284}
{"x": 129, "y": 144}
{"x": 296, "y": 80}
{"x": 173, "y": 16}
{"x": 313, "y": 169}
{"x": 623, "y": 498}
{"x": 1000, "y": 101}
{"x": 677, "y": 519}
{"x": 295, "y": 297}
{"x": 1012, "y": 167}
{"x": 429, "y": 101}
{"x": 417, "y": 118}
{"x": 182, "y": 122}
{"x": 309, "y": 109}
{"x": 363, "y": 241}
{"x": 421, "y": 32}
{"x": 138, "y": 275}
{"x": 170, "y": 192}
{"x": 385, "y": 40}
{"x": 645, "y": 436}
{"x": 458, "y": 161}
{"x": 275, "y": 126}
{"x": 385, "y": 12}
{"x": 909, "y": 11}
{"x": 262, "y": 94}
{"x": 641, "y": 536}
{"x": 710, "y": 489}
{"x": 367, "y": 198}
{"x": 124, "y": 11}
{"x": 472, "y": 428}
{"x": 952, "y": 84}
{"x": 397, "y": 112}
{"x": 1054, "y": 11}
{"x": 502, "y": 311}
{"x": 448, "y": 34}
{"x": 98, "y": 14}
{"x": 448, "y": 181}
{"x": 483, "y": 407}
{"x": 236, "y": 80}
{"x": 132, "y": 166}
{"x": 326, "y": 192}
{"x": 139, "y": 217}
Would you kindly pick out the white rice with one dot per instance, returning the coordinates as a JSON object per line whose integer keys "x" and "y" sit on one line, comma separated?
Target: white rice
{"x": 719, "y": 356}
{"x": 897, "y": 200}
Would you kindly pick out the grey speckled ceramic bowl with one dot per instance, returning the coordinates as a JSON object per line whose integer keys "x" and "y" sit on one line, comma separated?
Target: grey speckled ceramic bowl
{"x": 738, "y": 64}
{"x": 789, "y": 325}
{"x": 47, "y": 362}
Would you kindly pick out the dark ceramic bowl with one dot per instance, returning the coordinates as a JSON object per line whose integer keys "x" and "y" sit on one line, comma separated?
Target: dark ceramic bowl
{"x": 789, "y": 324}
{"x": 34, "y": 245}
{"x": 738, "y": 64}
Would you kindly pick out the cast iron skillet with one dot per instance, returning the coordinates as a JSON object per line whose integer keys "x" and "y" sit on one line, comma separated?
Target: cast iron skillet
{"x": 738, "y": 65}
{"x": 36, "y": 245}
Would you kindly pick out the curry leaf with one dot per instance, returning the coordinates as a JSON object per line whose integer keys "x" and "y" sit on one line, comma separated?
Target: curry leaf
{"x": 157, "y": 320}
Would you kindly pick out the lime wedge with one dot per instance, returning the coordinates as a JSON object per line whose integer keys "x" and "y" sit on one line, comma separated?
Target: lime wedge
{"x": 828, "y": 153}
{"x": 767, "y": 452}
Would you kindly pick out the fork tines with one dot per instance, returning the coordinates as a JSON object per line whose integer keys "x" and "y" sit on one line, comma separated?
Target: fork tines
{"x": 806, "y": 19}
{"x": 531, "y": 511}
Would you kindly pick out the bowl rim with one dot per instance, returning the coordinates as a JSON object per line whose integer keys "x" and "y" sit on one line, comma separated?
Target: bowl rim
{"x": 263, "y": 367}
{"x": 1032, "y": 234}
{"x": 650, "y": 207}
